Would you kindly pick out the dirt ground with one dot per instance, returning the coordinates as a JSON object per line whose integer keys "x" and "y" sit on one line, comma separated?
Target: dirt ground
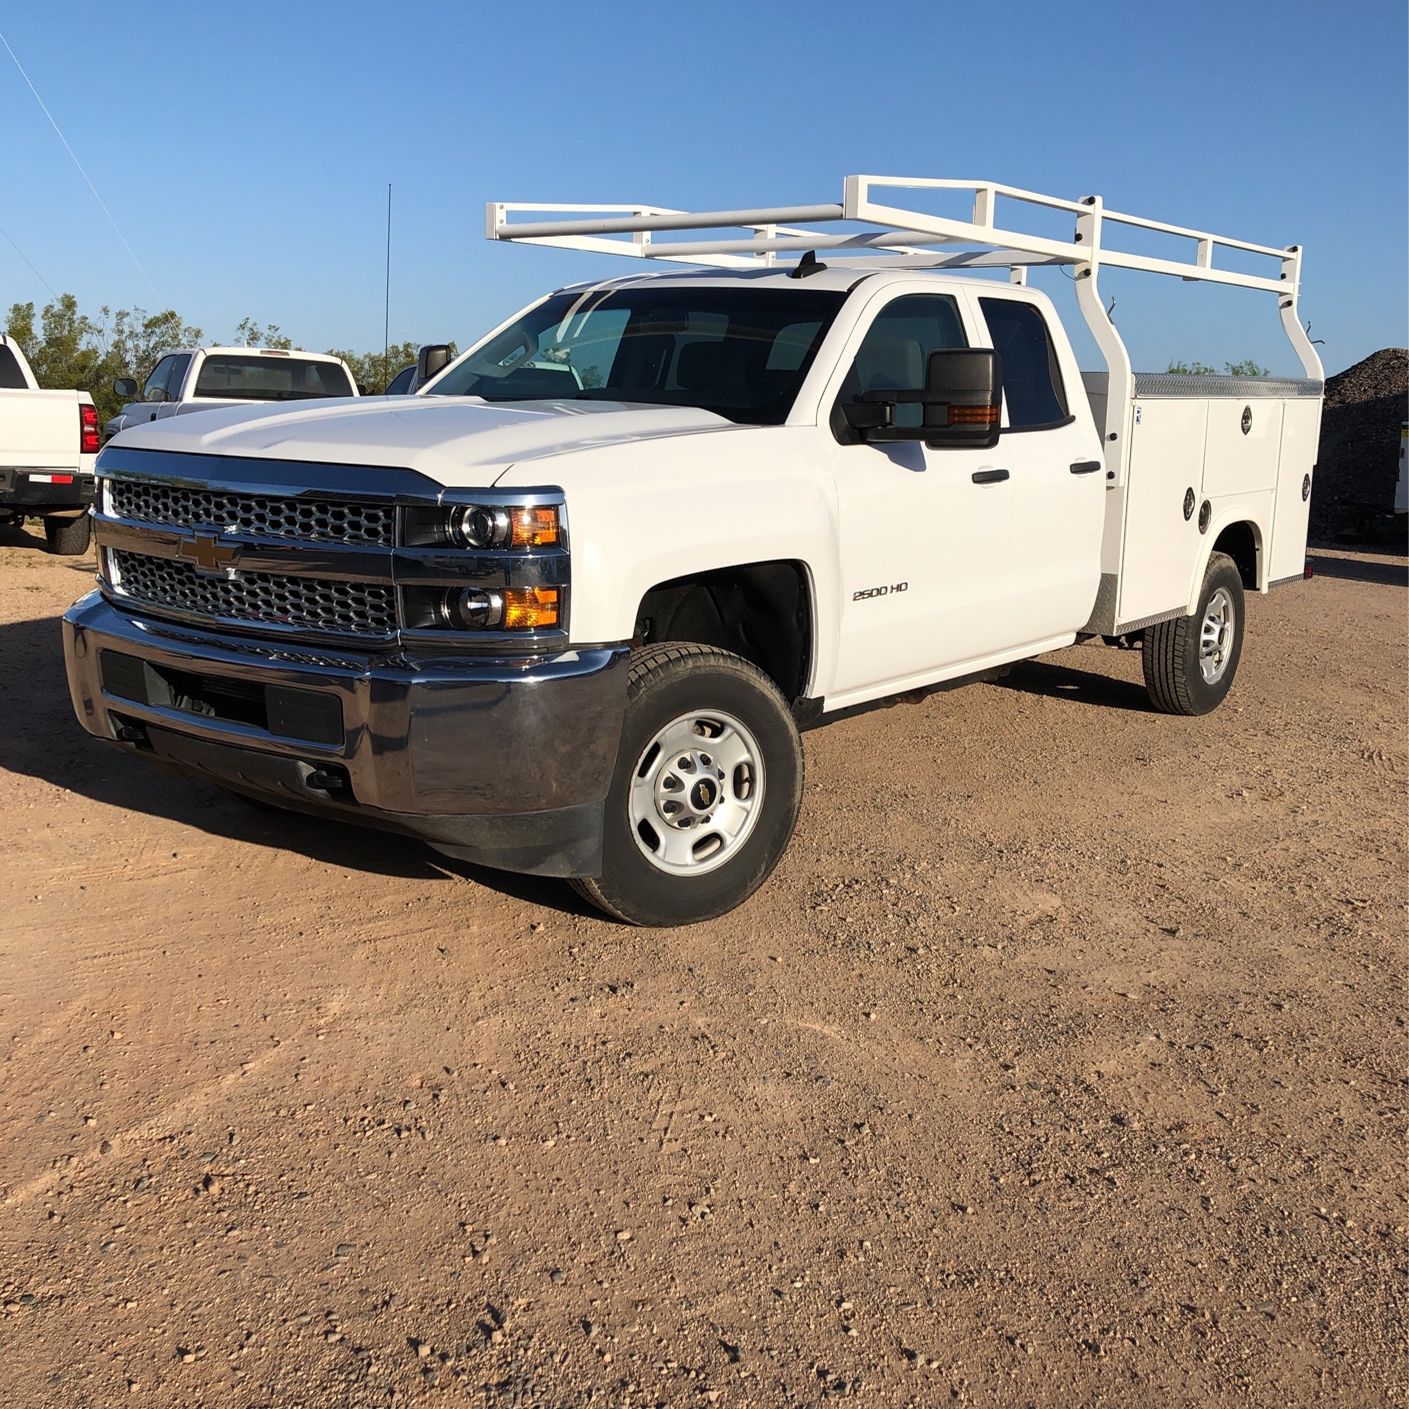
{"x": 1060, "y": 1063}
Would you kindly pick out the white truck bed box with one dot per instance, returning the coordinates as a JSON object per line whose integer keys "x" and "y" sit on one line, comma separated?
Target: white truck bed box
{"x": 1227, "y": 450}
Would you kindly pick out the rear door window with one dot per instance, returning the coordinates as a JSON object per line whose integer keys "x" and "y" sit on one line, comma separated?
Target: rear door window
{"x": 1032, "y": 380}
{"x": 11, "y": 378}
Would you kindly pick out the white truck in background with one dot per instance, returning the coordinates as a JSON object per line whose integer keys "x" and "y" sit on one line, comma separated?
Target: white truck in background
{"x": 202, "y": 378}
{"x": 48, "y": 448}
{"x": 565, "y": 608}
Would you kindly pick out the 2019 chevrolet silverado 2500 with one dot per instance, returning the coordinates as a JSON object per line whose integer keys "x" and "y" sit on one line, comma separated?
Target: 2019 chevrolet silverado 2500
{"x": 202, "y": 378}
{"x": 564, "y": 609}
{"x": 48, "y": 446}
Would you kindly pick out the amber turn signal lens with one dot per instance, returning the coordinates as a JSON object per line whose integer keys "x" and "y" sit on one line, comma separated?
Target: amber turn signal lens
{"x": 974, "y": 415}
{"x": 530, "y": 608}
{"x": 534, "y": 528}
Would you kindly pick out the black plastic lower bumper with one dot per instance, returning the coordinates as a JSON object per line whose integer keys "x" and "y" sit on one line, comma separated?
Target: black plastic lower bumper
{"x": 42, "y": 491}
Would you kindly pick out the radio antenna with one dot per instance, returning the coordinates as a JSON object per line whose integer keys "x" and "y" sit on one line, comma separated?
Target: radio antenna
{"x": 386, "y": 306}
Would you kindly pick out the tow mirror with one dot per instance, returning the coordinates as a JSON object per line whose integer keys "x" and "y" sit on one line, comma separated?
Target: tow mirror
{"x": 126, "y": 388}
{"x": 433, "y": 358}
{"x": 961, "y": 404}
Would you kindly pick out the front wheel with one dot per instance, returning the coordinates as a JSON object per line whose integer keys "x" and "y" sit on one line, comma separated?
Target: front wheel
{"x": 1190, "y": 661}
{"x": 706, "y": 791}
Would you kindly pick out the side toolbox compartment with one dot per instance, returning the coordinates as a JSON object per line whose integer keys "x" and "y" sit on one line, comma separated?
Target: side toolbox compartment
{"x": 1301, "y": 430}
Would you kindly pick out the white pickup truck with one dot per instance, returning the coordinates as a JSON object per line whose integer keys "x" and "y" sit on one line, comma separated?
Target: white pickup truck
{"x": 202, "y": 378}
{"x": 565, "y": 609}
{"x": 48, "y": 447}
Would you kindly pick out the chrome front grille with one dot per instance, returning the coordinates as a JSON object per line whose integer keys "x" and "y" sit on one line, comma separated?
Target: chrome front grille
{"x": 320, "y": 520}
{"x": 305, "y": 603}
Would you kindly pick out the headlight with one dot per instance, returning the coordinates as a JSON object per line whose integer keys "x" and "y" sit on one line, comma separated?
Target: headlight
{"x": 513, "y": 609}
{"x": 473, "y": 526}
{"x": 491, "y": 526}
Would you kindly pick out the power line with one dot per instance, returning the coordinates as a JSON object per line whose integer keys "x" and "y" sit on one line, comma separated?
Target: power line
{"x": 25, "y": 257}
{"x": 74, "y": 155}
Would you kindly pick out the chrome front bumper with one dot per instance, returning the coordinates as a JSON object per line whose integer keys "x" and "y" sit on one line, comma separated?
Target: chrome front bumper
{"x": 503, "y": 761}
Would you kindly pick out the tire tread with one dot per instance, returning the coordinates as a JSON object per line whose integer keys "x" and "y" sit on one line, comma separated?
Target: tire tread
{"x": 1165, "y": 649}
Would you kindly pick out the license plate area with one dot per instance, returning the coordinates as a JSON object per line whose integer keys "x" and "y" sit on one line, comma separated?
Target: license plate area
{"x": 288, "y": 712}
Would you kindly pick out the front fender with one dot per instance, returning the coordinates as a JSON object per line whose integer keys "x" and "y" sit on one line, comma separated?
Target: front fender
{"x": 647, "y": 513}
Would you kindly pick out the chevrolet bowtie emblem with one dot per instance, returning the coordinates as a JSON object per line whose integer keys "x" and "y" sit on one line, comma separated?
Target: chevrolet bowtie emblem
{"x": 208, "y": 554}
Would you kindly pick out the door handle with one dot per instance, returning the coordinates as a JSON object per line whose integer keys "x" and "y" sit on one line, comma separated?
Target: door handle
{"x": 1086, "y": 467}
{"x": 989, "y": 476}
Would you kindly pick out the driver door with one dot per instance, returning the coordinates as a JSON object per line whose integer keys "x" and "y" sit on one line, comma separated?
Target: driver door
{"x": 926, "y": 535}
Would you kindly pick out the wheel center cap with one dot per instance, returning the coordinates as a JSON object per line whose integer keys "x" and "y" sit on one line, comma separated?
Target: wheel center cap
{"x": 702, "y": 795}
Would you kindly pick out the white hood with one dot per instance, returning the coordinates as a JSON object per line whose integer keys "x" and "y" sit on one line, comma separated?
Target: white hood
{"x": 454, "y": 440}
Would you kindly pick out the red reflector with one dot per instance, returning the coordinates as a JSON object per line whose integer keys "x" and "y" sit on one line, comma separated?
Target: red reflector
{"x": 60, "y": 479}
{"x": 1306, "y": 573}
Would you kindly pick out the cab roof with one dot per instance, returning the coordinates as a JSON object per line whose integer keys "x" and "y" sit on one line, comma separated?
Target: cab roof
{"x": 842, "y": 278}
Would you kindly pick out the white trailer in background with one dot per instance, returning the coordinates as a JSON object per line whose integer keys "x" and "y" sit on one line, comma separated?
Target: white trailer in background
{"x": 564, "y": 608}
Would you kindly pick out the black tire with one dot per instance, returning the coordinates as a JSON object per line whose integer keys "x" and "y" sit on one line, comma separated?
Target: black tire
{"x": 1171, "y": 650}
{"x": 665, "y": 683}
{"x": 68, "y": 536}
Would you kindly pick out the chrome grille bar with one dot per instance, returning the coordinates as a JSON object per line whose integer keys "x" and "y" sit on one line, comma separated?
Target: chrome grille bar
{"x": 360, "y": 609}
{"x": 319, "y": 520}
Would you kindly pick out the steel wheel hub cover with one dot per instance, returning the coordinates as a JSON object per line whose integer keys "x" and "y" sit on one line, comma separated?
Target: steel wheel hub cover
{"x": 696, "y": 793}
{"x": 1216, "y": 636}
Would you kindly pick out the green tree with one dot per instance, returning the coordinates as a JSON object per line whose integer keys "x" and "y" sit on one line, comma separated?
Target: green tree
{"x": 248, "y": 333}
{"x": 63, "y": 351}
{"x": 19, "y": 325}
{"x": 1246, "y": 368}
{"x": 374, "y": 370}
{"x": 66, "y": 348}
{"x": 133, "y": 340}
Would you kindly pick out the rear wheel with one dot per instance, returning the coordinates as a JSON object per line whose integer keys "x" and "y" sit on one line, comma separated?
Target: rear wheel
{"x": 706, "y": 791}
{"x": 68, "y": 536}
{"x": 1190, "y": 662}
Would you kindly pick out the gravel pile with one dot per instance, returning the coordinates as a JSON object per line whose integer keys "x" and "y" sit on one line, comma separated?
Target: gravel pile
{"x": 1359, "y": 458}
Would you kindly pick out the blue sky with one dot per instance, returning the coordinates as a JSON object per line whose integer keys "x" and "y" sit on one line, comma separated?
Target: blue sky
{"x": 246, "y": 156}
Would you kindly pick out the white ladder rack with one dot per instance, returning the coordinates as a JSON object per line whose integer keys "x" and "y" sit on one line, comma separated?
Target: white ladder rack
{"x": 894, "y": 236}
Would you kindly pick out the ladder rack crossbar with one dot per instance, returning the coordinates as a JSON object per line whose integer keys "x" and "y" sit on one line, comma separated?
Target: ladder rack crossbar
{"x": 674, "y": 220}
{"x": 899, "y": 237}
{"x": 892, "y": 230}
{"x": 1162, "y": 228}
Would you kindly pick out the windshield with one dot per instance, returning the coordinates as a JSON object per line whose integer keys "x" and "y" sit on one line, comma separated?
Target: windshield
{"x": 740, "y": 352}
{"x": 233, "y": 377}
